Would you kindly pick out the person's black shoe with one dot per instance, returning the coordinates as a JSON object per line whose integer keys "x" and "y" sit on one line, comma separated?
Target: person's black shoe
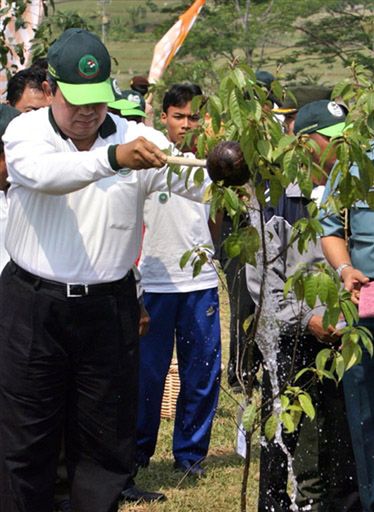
{"x": 134, "y": 494}
{"x": 63, "y": 506}
{"x": 189, "y": 468}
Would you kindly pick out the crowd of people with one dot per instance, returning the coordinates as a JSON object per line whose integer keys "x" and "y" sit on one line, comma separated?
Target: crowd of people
{"x": 93, "y": 301}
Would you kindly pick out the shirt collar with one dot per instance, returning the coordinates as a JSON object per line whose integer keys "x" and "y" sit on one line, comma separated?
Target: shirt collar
{"x": 107, "y": 128}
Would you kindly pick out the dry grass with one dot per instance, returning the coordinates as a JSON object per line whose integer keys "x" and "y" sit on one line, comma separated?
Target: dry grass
{"x": 220, "y": 488}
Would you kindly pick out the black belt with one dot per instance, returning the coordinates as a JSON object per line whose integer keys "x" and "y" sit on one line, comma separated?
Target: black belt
{"x": 69, "y": 289}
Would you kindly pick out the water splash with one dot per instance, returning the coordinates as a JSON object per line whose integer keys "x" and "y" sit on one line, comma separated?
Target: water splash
{"x": 267, "y": 340}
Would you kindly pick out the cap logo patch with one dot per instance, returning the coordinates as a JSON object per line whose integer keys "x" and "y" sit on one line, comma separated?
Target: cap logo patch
{"x": 116, "y": 87}
{"x": 134, "y": 97}
{"x": 88, "y": 67}
{"x": 335, "y": 109}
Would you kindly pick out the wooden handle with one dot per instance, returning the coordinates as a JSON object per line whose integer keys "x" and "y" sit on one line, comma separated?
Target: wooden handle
{"x": 184, "y": 160}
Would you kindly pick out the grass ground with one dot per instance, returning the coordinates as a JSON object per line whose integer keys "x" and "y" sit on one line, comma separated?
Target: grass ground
{"x": 220, "y": 488}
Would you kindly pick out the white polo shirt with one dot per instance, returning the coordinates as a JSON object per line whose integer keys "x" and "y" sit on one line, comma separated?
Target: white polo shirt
{"x": 173, "y": 225}
{"x": 71, "y": 217}
{"x": 4, "y": 256}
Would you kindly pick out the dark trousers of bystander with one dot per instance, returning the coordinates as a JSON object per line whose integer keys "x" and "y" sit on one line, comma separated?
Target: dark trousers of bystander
{"x": 359, "y": 394}
{"x": 66, "y": 364}
{"x": 241, "y": 307}
{"x": 323, "y": 458}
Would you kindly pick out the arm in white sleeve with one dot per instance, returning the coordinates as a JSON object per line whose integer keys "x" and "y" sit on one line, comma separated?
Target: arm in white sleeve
{"x": 45, "y": 164}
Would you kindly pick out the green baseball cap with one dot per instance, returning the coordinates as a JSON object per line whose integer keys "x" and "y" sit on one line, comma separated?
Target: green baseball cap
{"x": 133, "y": 110}
{"x": 7, "y": 113}
{"x": 136, "y": 97}
{"x": 322, "y": 116}
{"x": 124, "y": 105}
{"x": 300, "y": 95}
{"x": 80, "y": 64}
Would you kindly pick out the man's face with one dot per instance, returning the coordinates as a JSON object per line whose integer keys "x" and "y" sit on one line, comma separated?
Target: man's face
{"x": 32, "y": 99}
{"x": 179, "y": 121}
{"x": 329, "y": 158}
{"x": 79, "y": 122}
{"x": 289, "y": 123}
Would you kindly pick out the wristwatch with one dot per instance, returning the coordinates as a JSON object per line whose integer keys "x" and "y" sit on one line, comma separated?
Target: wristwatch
{"x": 341, "y": 267}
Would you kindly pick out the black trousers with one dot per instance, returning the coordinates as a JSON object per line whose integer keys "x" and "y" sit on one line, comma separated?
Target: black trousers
{"x": 323, "y": 460}
{"x": 66, "y": 364}
{"x": 241, "y": 307}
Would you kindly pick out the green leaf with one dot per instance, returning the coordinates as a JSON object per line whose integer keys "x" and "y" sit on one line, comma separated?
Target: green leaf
{"x": 277, "y": 89}
{"x": 285, "y": 401}
{"x": 339, "y": 366}
{"x": 307, "y": 405}
{"x": 323, "y": 287}
{"x": 301, "y": 373}
{"x": 288, "y": 286}
{"x": 265, "y": 149}
{"x": 247, "y": 323}
{"x": 290, "y": 164}
{"x": 235, "y": 110}
{"x": 310, "y": 286}
{"x": 288, "y": 422}
{"x": 367, "y": 342}
{"x": 184, "y": 259}
{"x": 271, "y": 427}
{"x": 349, "y": 354}
{"x": 197, "y": 268}
{"x": 232, "y": 246}
{"x": 276, "y": 190}
{"x": 370, "y": 121}
{"x": 231, "y": 199}
{"x": 249, "y": 417}
{"x": 239, "y": 78}
{"x": 349, "y": 311}
{"x": 322, "y": 357}
{"x": 198, "y": 177}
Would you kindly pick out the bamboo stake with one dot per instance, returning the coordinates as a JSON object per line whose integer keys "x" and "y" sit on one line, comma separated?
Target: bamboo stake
{"x": 184, "y": 160}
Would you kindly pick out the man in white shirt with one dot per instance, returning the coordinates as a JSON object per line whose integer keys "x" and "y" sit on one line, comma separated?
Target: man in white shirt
{"x": 181, "y": 307}
{"x": 7, "y": 113}
{"x": 69, "y": 313}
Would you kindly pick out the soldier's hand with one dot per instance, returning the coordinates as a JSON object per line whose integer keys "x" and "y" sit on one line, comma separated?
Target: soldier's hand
{"x": 329, "y": 335}
{"x": 353, "y": 279}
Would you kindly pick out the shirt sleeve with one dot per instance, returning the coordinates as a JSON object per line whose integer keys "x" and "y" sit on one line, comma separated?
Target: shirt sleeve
{"x": 41, "y": 160}
{"x": 288, "y": 311}
{"x": 331, "y": 223}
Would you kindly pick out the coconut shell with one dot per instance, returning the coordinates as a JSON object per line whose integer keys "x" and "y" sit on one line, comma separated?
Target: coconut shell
{"x": 226, "y": 163}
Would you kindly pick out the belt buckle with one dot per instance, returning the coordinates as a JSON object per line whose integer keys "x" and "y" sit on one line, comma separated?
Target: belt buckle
{"x": 76, "y": 290}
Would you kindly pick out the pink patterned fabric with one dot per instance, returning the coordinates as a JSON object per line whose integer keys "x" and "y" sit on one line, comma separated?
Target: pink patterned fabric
{"x": 366, "y": 303}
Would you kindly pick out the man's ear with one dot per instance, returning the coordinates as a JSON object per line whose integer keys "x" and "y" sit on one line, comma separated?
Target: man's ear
{"x": 163, "y": 118}
{"x": 46, "y": 88}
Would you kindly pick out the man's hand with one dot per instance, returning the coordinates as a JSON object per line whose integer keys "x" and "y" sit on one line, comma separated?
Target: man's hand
{"x": 353, "y": 279}
{"x": 315, "y": 326}
{"x": 140, "y": 154}
{"x": 144, "y": 321}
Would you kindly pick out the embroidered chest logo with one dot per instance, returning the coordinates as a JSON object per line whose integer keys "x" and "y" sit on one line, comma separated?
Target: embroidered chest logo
{"x": 163, "y": 198}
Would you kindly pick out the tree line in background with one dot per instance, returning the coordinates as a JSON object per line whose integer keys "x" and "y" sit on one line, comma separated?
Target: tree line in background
{"x": 309, "y": 36}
